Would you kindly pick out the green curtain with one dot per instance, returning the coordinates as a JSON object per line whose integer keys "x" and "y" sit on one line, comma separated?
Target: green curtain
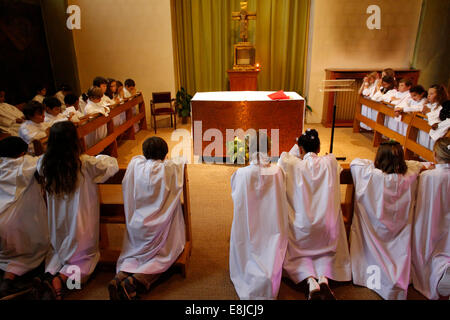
{"x": 204, "y": 35}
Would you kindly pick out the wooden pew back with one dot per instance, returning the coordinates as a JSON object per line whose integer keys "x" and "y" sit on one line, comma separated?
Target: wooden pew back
{"x": 415, "y": 122}
{"x": 108, "y": 145}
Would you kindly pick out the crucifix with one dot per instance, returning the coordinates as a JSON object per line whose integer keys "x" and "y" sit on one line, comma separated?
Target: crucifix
{"x": 243, "y": 16}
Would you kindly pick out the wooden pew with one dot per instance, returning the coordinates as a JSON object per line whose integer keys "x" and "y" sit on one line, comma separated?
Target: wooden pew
{"x": 415, "y": 122}
{"x": 108, "y": 145}
{"x": 112, "y": 212}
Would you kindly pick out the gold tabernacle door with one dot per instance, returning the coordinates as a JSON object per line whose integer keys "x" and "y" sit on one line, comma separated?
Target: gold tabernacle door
{"x": 244, "y": 56}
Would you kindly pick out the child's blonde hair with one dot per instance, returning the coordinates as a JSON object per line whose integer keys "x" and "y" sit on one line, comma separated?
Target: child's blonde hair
{"x": 442, "y": 149}
{"x": 95, "y": 93}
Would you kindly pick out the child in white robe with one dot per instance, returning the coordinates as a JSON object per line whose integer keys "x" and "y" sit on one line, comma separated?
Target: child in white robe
{"x": 70, "y": 181}
{"x": 431, "y": 237}
{"x": 317, "y": 247}
{"x": 368, "y": 89}
{"x": 94, "y": 107}
{"x": 53, "y": 111}
{"x": 34, "y": 127}
{"x": 386, "y": 92}
{"x": 64, "y": 90}
{"x": 41, "y": 92}
{"x": 437, "y": 95}
{"x": 128, "y": 92}
{"x": 111, "y": 93}
{"x": 415, "y": 103}
{"x": 10, "y": 117}
{"x": 401, "y": 96}
{"x": 380, "y": 238}
{"x": 259, "y": 232}
{"x": 155, "y": 229}
{"x": 24, "y": 239}
{"x": 72, "y": 112}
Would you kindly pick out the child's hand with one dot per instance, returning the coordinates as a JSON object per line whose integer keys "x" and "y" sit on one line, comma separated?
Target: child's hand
{"x": 397, "y": 112}
{"x": 435, "y": 126}
{"x": 19, "y": 120}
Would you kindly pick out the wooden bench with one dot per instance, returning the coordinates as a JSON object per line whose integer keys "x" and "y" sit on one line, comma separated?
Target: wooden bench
{"x": 112, "y": 212}
{"x": 415, "y": 122}
{"x": 107, "y": 145}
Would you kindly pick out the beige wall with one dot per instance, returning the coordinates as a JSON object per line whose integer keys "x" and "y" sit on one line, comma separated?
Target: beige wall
{"x": 126, "y": 39}
{"x": 341, "y": 39}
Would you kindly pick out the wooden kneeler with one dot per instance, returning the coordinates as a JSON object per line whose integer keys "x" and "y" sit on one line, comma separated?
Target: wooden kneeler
{"x": 112, "y": 212}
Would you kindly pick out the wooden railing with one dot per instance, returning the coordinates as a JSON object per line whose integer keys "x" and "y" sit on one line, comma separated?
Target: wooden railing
{"x": 112, "y": 212}
{"x": 415, "y": 121}
{"x": 91, "y": 123}
{"x": 126, "y": 130}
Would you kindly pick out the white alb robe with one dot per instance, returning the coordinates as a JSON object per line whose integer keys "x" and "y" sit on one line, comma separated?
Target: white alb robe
{"x": 317, "y": 239}
{"x": 30, "y": 131}
{"x": 365, "y": 110}
{"x": 74, "y": 219}
{"x": 99, "y": 134}
{"x": 8, "y": 116}
{"x": 128, "y": 94}
{"x": 51, "y": 119}
{"x": 77, "y": 114}
{"x": 431, "y": 236}
{"x": 259, "y": 230}
{"x": 396, "y": 123}
{"x": 39, "y": 98}
{"x": 424, "y": 138}
{"x": 295, "y": 151}
{"x": 24, "y": 238}
{"x": 155, "y": 229}
{"x": 380, "y": 237}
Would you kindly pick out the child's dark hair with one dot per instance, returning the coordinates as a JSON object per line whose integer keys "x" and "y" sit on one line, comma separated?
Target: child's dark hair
{"x": 418, "y": 89}
{"x": 119, "y": 83}
{"x": 108, "y": 92}
{"x": 390, "y": 80}
{"x": 309, "y": 141}
{"x": 61, "y": 163}
{"x": 130, "y": 83}
{"x": 94, "y": 93}
{"x": 406, "y": 81}
{"x": 155, "y": 148}
{"x": 65, "y": 88}
{"x": 98, "y": 81}
{"x": 31, "y": 108}
{"x": 39, "y": 87}
{"x": 390, "y": 158}
{"x": 12, "y": 147}
{"x": 441, "y": 93}
{"x": 52, "y": 102}
{"x": 70, "y": 99}
{"x": 445, "y": 111}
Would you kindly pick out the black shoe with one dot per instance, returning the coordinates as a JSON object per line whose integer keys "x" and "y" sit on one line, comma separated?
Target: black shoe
{"x": 326, "y": 292}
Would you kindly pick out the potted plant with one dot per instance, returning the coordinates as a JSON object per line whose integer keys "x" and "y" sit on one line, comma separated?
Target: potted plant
{"x": 183, "y": 102}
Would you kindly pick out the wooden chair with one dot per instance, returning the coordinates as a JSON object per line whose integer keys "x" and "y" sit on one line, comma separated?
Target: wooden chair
{"x": 163, "y": 98}
{"x": 112, "y": 212}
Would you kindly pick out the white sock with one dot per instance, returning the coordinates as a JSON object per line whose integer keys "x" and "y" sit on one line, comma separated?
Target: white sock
{"x": 313, "y": 285}
{"x": 323, "y": 279}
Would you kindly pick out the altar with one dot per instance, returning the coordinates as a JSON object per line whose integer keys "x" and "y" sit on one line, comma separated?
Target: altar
{"x": 214, "y": 112}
